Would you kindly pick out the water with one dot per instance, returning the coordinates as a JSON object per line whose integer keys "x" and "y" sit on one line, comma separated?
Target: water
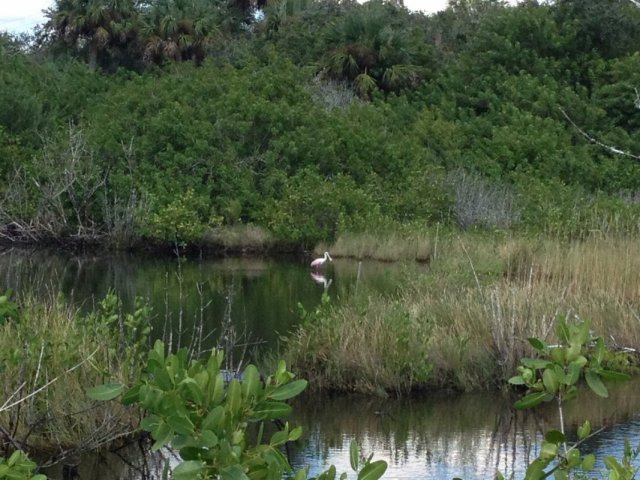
{"x": 436, "y": 436}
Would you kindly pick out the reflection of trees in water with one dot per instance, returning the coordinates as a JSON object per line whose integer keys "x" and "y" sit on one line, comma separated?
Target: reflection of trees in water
{"x": 440, "y": 436}
{"x": 258, "y": 297}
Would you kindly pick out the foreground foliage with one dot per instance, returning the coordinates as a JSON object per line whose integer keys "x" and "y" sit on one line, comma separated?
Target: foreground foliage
{"x": 224, "y": 425}
{"x": 553, "y": 375}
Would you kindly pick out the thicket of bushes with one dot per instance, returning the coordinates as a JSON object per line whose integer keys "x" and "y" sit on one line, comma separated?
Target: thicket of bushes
{"x": 323, "y": 118}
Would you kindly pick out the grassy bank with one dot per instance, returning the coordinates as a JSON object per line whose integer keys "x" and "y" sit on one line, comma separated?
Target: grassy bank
{"x": 50, "y": 354}
{"x": 464, "y": 323}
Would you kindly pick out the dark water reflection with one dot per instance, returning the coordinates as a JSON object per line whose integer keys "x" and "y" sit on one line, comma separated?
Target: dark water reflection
{"x": 258, "y": 297}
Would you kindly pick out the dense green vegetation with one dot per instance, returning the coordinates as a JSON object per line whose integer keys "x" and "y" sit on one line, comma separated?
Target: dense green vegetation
{"x": 171, "y": 120}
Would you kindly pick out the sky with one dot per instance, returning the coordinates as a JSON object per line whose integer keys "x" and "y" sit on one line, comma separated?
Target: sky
{"x": 18, "y": 16}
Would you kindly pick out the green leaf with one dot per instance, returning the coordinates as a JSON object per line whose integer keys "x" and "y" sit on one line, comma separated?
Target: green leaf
{"x": 289, "y": 390}
{"x": 595, "y": 384}
{"x": 181, "y": 424}
{"x": 295, "y": 434}
{"x": 530, "y": 400}
{"x": 213, "y": 418}
{"x": 588, "y": 462}
{"x": 550, "y": 381}
{"x": 573, "y": 375}
{"x": 250, "y": 382}
{"x": 584, "y": 430}
{"x": 517, "y": 380}
{"x": 268, "y": 410}
{"x": 233, "y": 472}
{"x": 537, "y": 344}
{"x": 613, "y": 375}
{"x": 373, "y": 471}
{"x": 279, "y": 438}
{"x": 162, "y": 434}
{"x": 234, "y": 397}
{"x": 535, "y": 363}
{"x": 354, "y": 455}
{"x": 131, "y": 396}
{"x": 599, "y": 351}
{"x": 108, "y": 391}
{"x": 188, "y": 470}
{"x": 554, "y": 436}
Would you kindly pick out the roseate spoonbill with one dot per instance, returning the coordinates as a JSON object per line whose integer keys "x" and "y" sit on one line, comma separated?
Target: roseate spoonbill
{"x": 318, "y": 262}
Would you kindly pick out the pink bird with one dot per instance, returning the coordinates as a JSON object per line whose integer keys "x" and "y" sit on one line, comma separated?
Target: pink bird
{"x": 318, "y": 262}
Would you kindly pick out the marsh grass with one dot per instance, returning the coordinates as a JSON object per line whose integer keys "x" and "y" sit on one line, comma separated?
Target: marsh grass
{"x": 388, "y": 248}
{"x": 464, "y": 324}
{"x": 238, "y": 238}
{"x": 50, "y": 356}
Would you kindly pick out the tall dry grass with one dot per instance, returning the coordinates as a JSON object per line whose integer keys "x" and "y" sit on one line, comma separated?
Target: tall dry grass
{"x": 50, "y": 355}
{"x": 464, "y": 324}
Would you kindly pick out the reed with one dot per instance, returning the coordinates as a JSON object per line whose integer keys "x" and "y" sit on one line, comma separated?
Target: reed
{"x": 465, "y": 322}
{"x": 50, "y": 355}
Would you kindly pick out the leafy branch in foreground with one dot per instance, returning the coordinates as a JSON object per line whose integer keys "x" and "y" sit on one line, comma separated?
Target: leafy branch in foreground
{"x": 223, "y": 425}
{"x": 555, "y": 374}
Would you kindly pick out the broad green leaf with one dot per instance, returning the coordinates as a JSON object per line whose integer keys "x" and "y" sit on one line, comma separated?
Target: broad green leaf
{"x": 301, "y": 475}
{"x": 554, "y": 436}
{"x": 289, "y": 390}
{"x": 150, "y": 423}
{"x": 560, "y": 475}
{"x": 588, "y": 462}
{"x": 181, "y": 424}
{"x": 188, "y": 470}
{"x": 208, "y": 438}
{"x": 234, "y": 397}
{"x": 233, "y": 472}
{"x": 584, "y": 430}
{"x": 354, "y": 455}
{"x": 269, "y": 410}
{"x": 535, "y": 470}
{"x": 131, "y": 396}
{"x": 108, "y": 391}
{"x": 162, "y": 434}
{"x": 537, "y": 344}
{"x": 279, "y": 438}
{"x": 373, "y": 471}
{"x": 517, "y": 380}
{"x": 573, "y": 374}
{"x": 530, "y": 400}
{"x": 250, "y": 382}
{"x": 613, "y": 375}
{"x": 595, "y": 384}
{"x": 213, "y": 418}
{"x": 550, "y": 381}
{"x": 535, "y": 363}
{"x": 613, "y": 464}
{"x": 548, "y": 451}
{"x": 295, "y": 434}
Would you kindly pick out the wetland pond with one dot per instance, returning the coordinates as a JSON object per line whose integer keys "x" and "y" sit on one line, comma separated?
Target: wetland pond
{"x": 252, "y": 302}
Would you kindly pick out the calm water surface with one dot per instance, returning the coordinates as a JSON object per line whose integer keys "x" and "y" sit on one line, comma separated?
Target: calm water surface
{"x": 256, "y": 300}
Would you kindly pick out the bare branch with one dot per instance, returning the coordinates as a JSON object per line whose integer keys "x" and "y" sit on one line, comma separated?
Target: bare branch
{"x": 591, "y": 139}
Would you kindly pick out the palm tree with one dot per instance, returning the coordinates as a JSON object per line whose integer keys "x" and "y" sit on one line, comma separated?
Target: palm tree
{"x": 180, "y": 30}
{"x": 93, "y": 26}
{"x": 369, "y": 52}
